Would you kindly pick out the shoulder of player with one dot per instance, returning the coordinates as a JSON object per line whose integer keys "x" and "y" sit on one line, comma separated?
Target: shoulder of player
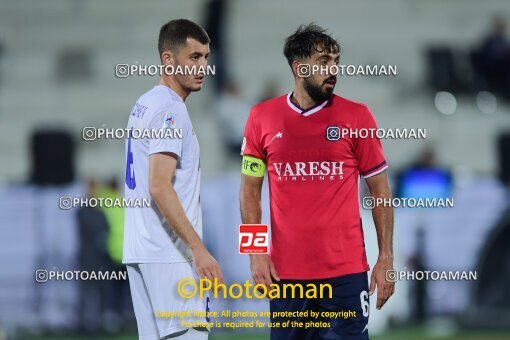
{"x": 359, "y": 113}
{"x": 351, "y": 105}
{"x": 268, "y": 106}
{"x": 161, "y": 100}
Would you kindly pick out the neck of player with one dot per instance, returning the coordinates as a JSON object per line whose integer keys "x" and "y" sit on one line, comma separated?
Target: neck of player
{"x": 302, "y": 98}
{"x": 174, "y": 86}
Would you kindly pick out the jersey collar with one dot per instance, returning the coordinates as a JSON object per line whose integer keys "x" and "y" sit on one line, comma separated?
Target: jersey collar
{"x": 307, "y": 112}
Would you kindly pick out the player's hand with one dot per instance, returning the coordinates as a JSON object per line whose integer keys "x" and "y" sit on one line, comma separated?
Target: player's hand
{"x": 206, "y": 265}
{"x": 263, "y": 269}
{"x": 385, "y": 289}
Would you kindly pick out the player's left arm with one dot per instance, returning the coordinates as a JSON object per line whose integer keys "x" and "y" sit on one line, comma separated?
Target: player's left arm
{"x": 383, "y": 219}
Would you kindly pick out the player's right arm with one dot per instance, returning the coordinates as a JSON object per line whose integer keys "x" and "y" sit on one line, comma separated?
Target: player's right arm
{"x": 253, "y": 169}
{"x": 262, "y": 267}
{"x": 165, "y": 196}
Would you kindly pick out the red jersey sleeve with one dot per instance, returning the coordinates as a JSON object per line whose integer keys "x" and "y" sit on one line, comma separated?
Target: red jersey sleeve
{"x": 369, "y": 151}
{"x": 252, "y": 141}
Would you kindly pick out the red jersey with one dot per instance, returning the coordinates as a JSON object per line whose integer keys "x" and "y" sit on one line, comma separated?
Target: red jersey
{"x": 313, "y": 176}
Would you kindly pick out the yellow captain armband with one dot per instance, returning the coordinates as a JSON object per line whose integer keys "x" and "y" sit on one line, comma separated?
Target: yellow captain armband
{"x": 253, "y": 166}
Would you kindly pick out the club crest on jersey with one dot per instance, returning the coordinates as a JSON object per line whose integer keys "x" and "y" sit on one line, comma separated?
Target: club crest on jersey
{"x": 169, "y": 120}
{"x": 333, "y": 133}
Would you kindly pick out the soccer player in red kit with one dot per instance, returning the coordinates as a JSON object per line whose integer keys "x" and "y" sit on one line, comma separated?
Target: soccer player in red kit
{"x": 314, "y": 171}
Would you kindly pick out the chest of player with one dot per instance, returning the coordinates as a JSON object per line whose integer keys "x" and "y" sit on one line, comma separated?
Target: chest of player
{"x": 305, "y": 139}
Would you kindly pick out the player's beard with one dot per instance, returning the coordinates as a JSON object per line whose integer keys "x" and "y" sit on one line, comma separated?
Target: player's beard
{"x": 317, "y": 92}
{"x": 187, "y": 85}
{"x": 194, "y": 89}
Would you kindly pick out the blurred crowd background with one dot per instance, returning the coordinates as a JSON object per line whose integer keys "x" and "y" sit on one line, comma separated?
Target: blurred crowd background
{"x": 57, "y": 76}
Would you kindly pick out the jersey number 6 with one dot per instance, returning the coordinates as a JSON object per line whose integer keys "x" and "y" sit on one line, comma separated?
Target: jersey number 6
{"x": 130, "y": 170}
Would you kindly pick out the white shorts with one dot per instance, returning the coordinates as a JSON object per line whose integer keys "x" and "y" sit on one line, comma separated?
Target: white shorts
{"x": 155, "y": 299}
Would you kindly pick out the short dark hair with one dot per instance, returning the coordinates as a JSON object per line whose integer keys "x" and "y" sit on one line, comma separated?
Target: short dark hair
{"x": 173, "y": 35}
{"x": 305, "y": 41}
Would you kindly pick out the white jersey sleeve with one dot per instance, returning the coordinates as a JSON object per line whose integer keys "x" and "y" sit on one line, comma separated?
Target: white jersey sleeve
{"x": 168, "y": 118}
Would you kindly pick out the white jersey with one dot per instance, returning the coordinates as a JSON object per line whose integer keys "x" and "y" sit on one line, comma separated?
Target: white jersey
{"x": 147, "y": 236}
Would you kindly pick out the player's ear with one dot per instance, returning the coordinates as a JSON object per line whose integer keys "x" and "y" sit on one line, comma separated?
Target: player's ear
{"x": 167, "y": 58}
{"x": 295, "y": 66}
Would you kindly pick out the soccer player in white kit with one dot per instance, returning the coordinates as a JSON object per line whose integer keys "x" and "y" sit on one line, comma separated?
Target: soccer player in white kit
{"x": 161, "y": 243}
